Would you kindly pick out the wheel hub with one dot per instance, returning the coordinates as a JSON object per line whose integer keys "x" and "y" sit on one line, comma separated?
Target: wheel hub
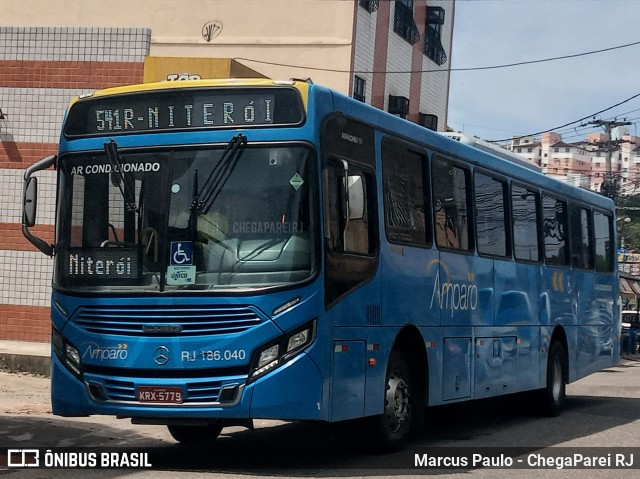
{"x": 397, "y": 404}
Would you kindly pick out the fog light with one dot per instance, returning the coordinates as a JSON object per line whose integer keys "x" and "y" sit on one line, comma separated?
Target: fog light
{"x": 97, "y": 391}
{"x": 228, "y": 394}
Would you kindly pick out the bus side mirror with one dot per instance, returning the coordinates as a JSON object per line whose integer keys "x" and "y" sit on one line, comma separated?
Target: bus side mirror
{"x": 356, "y": 197}
{"x": 30, "y": 204}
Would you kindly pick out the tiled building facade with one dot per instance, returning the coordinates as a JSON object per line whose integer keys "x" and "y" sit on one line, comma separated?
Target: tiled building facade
{"x": 41, "y": 69}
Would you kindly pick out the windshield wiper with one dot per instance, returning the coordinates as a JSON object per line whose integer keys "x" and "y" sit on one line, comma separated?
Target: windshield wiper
{"x": 111, "y": 149}
{"x": 204, "y": 199}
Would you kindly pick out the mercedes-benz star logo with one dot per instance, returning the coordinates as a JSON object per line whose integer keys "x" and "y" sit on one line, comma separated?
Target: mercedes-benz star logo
{"x": 161, "y": 355}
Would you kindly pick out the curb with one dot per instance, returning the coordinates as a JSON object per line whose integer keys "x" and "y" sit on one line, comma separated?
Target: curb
{"x": 25, "y": 357}
{"x": 18, "y": 363}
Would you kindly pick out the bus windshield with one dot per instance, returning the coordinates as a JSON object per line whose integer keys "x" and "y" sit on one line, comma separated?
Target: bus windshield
{"x": 198, "y": 218}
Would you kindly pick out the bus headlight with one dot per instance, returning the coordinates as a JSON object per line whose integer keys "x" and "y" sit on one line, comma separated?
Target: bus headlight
{"x": 72, "y": 358}
{"x": 272, "y": 355}
{"x": 68, "y": 354}
{"x": 298, "y": 340}
{"x": 268, "y": 356}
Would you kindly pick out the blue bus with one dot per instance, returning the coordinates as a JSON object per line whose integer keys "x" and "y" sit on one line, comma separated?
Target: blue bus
{"x": 235, "y": 249}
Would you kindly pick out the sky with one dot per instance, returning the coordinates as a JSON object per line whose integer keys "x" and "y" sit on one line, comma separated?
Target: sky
{"x": 497, "y": 104}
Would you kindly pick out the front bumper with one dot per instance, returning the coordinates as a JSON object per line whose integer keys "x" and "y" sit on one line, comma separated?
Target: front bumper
{"x": 293, "y": 391}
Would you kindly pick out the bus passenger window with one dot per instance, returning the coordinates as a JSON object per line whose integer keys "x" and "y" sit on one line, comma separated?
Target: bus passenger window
{"x": 490, "y": 216}
{"x": 603, "y": 233}
{"x": 451, "y": 205}
{"x": 581, "y": 247}
{"x": 554, "y": 221}
{"x": 526, "y": 230}
{"x": 405, "y": 213}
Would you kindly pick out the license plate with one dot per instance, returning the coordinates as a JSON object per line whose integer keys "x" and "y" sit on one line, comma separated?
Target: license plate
{"x": 160, "y": 394}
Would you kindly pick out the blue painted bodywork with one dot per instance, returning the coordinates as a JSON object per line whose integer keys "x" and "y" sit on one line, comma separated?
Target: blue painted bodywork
{"x": 485, "y": 323}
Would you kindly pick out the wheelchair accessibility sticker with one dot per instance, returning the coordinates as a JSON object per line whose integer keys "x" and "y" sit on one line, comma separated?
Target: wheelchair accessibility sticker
{"x": 181, "y": 253}
{"x": 181, "y": 270}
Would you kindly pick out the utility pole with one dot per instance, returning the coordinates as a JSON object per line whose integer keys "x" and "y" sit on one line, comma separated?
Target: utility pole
{"x": 608, "y": 185}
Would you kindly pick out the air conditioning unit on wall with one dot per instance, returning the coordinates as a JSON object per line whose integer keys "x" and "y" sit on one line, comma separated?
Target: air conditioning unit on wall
{"x": 398, "y": 105}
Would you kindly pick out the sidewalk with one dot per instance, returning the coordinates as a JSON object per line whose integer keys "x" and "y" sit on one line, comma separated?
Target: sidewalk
{"x": 24, "y": 356}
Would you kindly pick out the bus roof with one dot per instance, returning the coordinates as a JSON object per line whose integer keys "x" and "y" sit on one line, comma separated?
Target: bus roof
{"x": 175, "y": 85}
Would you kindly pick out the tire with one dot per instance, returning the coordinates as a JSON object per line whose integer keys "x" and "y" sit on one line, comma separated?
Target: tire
{"x": 552, "y": 396}
{"x": 195, "y": 435}
{"x": 401, "y": 405}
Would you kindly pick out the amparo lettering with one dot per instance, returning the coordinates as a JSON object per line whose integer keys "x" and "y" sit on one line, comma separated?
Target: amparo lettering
{"x": 454, "y": 295}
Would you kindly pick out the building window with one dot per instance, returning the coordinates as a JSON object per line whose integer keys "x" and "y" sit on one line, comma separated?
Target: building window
{"x": 369, "y": 5}
{"x": 359, "y": 88}
{"x": 404, "y": 23}
{"x": 433, "y": 48}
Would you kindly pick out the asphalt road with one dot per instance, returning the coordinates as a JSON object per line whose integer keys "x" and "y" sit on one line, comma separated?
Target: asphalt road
{"x": 602, "y": 419}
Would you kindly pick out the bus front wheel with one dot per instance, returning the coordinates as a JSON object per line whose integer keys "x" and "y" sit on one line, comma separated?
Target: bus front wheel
{"x": 396, "y": 423}
{"x": 195, "y": 435}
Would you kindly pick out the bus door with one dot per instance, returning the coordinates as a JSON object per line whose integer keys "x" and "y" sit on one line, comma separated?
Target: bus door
{"x": 351, "y": 286}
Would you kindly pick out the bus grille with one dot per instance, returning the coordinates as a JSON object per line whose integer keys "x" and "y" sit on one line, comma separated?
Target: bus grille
{"x": 170, "y": 320}
{"x": 204, "y": 391}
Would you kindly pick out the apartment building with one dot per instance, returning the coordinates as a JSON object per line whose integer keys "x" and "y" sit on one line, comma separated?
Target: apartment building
{"x": 393, "y": 54}
{"x": 584, "y": 163}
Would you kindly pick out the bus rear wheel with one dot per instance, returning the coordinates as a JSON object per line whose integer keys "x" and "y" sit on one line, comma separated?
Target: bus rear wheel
{"x": 552, "y": 397}
{"x": 394, "y": 426}
{"x": 195, "y": 435}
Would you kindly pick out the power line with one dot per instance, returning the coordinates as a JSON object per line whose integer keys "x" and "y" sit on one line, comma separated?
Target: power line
{"x": 441, "y": 70}
{"x": 571, "y": 122}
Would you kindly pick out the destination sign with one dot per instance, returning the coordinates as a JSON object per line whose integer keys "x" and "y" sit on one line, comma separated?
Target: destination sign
{"x": 184, "y": 109}
{"x": 101, "y": 265}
